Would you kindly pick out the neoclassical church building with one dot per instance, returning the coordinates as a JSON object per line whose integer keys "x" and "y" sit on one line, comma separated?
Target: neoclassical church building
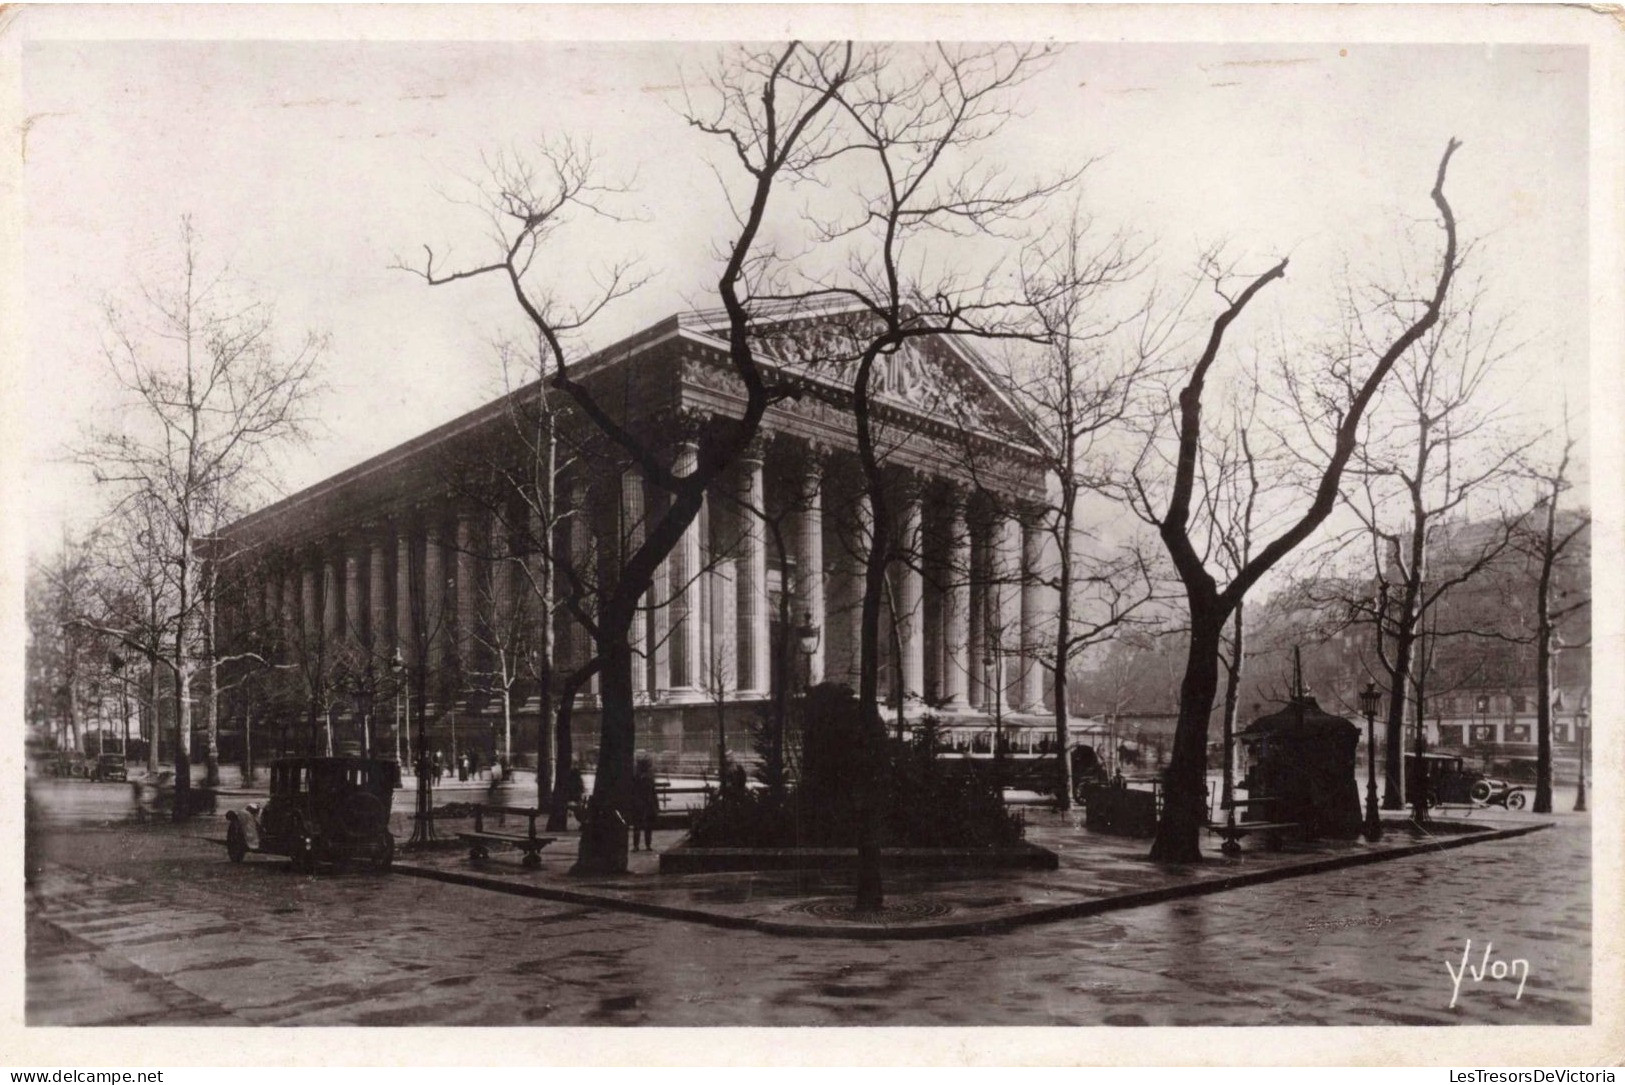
{"x": 431, "y": 585}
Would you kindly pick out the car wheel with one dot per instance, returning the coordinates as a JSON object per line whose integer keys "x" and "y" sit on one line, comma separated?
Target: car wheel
{"x": 1517, "y": 800}
{"x": 236, "y": 840}
{"x": 1481, "y": 791}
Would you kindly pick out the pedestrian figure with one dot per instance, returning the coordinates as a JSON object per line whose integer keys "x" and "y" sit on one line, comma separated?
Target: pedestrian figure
{"x": 576, "y": 794}
{"x": 462, "y": 768}
{"x": 439, "y": 768}
{"x": 645, "y": 803}
{"x": 473, "y": 764}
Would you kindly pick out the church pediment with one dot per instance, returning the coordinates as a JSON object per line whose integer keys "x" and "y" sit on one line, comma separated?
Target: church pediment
{"x": 928, "y": 374}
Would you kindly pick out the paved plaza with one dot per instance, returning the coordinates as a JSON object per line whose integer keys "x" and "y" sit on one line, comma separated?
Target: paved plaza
{"x": 148, "y": 924}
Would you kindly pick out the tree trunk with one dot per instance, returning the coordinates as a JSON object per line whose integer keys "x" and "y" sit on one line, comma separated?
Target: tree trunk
{"x": 74, "y": 733}
{"x": 183, "y": 753}
{"x": 507, "y": 716}
{"x": 544, "y": 740}
{"x": 1063, "y": 652}
{"x": 870, "y": 890}
{"x": 1543, "y": 667}
{"x": 154, "y": 715}
{"x": 558, "y": 816}
{"x": 1184, "y": 799}
{"x": 1393, "y": 793}
{"x": 603, "y": 837}
{"x": 1232, "y": 698}
{"x": 211, "y": 749}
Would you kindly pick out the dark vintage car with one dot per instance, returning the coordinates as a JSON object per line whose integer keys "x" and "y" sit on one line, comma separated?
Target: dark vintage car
{"x": 1450, "y": 783}
{"x": 1515, "y": 770}
{"x": 70, "y": 766}
{"x": 109, "y": 766}
{"x": 321, "y": 810}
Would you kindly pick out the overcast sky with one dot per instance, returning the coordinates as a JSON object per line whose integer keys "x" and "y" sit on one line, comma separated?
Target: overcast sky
{"x": 311, "y": 166}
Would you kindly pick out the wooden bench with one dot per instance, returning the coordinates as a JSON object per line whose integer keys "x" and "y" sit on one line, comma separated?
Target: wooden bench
{"x": 1234, "y": 830}
{"x": 481, "y": 840}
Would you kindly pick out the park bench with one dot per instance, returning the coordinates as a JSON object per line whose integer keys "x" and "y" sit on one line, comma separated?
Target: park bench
{"x": 676, "y": 819}
{"x": 481, "y": 840}
{"x": 1233, "y": 830}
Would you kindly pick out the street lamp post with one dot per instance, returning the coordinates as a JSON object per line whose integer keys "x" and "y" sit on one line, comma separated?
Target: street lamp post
{"x": 1581, "y": 722}
{"x": 1370, "y": 701}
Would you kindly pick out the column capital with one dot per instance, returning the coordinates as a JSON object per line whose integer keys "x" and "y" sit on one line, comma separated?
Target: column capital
{"x": 755, "y": 450}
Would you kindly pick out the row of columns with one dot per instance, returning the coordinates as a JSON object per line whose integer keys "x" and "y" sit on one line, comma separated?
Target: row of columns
{"x": 705, "y": 630}
{"x": 728, "y": 596}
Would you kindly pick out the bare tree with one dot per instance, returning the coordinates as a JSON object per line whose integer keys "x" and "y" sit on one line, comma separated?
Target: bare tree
{"x": 1210, "y": 607}
{"x": 208, "y": 394}
{"x": 1433, "y": 448}
{"x": 1078, "y": 392}
{"x": 914, "y": 116}
{"x": 1546, "y": 541}
{"x": 771, "y": 107}
{"x": 61, "y": 665}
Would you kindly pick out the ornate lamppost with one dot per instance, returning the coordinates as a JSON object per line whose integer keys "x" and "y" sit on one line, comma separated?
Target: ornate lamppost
{"x": 1582, "y": 720}
{"x": 1370, "y": 701}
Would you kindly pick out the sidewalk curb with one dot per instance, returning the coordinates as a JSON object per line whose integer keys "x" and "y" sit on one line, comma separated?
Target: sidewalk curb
{"x": 913, "y": 932}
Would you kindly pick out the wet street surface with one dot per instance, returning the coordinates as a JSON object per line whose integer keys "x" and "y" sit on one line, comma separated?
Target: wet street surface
{"x": 149, "y": 924}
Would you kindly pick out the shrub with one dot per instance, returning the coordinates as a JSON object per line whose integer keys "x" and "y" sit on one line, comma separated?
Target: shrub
{"x": 918, "y": 804}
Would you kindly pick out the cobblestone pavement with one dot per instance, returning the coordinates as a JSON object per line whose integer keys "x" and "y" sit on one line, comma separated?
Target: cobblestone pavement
{"x": 148, "y": 924}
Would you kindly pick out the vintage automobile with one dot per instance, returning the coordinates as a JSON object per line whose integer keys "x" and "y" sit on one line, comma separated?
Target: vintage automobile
{"x": 109, "y": 766}
{"x": 70, "y": 766}
{"x": 1515, "y": 770}
{"x": 1496, "y": 792}
{"x": 321, "y": 810}
{"x": 1451, "y": 783}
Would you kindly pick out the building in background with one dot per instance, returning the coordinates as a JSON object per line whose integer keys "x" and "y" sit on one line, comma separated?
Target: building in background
{"x": 409, "y": 584}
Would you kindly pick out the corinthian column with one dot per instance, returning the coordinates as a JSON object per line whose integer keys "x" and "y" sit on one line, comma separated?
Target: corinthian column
{"x": 684, "y": 609}
{"x": 378, "y": 631}
{"x": 956, "y": 611}
{"x": 434, "y": 597}
{"x": 810, "y": 565}
{"x": 467, "y": 591}
{"x": 910, "y": 601}
{"x": 1032, "y": 616}
{"x": 352, "y": 595}
{"x": 1006, "y": 610}
{"x": 631, "y": 540}
{"x": 405, "y": 633}
{"x": 330, "y": 605}
{"x": 756, "y": 675}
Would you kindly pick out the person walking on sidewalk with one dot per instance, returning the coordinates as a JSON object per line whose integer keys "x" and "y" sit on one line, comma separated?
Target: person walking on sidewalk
{"x": 645, "y": 803}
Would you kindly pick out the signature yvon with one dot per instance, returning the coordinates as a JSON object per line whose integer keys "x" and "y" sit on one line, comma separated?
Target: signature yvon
{"x": 1498, "y": 969}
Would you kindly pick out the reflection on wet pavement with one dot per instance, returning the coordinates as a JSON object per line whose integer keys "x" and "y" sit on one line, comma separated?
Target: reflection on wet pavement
{"x": 149, "y": 924}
